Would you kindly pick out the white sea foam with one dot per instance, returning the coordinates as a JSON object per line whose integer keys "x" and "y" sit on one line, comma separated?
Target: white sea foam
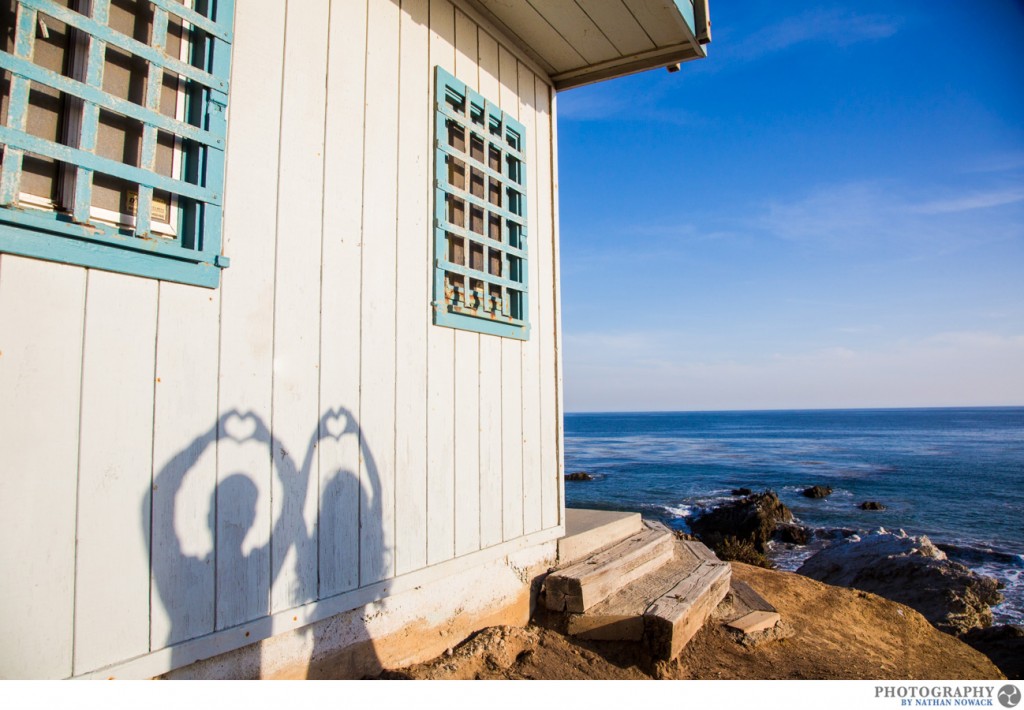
{"x": 678, "y": 511}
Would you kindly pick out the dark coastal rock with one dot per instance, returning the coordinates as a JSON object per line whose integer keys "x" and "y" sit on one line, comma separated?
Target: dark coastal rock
{"x": 752, "y": 519}
{"x": 817, "y": 492}
{"x": 978, "y": 555}
{"x": 793, "y": 534}
{"x": 741, "y": 491}
{"x": 1004, "y": 644}
{"x": 871, "y": 505}
{"x": 912, "y": 571}
{"x": 834, "y": 533}
{"x": 579, "y": 476}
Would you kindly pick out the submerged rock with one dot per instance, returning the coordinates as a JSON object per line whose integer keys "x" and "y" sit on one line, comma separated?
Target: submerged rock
{"x": 793, "y": 534}
{"x": 741, "y": 491}
{"x": 817, "y": 492}
{"x": 579, "y": 476}
{"x": 871, "y": 505}
{"x": 834, "y": 533}
{"x": 912, "y": 571}
{"x": 752, "y": 519}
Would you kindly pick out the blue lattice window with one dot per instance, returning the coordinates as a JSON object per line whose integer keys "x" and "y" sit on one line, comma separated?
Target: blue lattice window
{"x": 480, "y": 245}
{"x": 113, "y": 134}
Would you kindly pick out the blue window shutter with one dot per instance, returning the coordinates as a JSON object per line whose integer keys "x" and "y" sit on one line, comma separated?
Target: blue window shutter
{"x": 480, "y": 238}
{"x": 73, "y": 233}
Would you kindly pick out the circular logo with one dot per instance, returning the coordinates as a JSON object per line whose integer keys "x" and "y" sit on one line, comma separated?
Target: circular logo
{"x": 1009, "y": 696}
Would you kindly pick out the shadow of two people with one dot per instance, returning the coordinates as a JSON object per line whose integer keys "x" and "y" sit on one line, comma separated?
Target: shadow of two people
{"x": 230, "y": 585}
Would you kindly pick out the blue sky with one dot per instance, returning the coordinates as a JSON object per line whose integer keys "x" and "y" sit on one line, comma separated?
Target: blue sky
{"x": 828, "y": 211}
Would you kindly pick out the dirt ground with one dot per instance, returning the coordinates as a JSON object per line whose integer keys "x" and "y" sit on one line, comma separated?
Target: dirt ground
{"x": 826, "y": 633}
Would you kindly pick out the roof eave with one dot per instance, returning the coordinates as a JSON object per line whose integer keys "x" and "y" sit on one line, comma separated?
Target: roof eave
{"x": 623, "y": 66}
{"x": 684, "y": 29}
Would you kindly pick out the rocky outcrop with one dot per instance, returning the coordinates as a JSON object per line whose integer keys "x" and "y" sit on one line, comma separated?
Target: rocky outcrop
{"x": 793, "y": 534}
{"x": 871, "y": 505}
{"x": 752, "y": 519}
{"x": 817, "y": 492}
{"x": 741, "y": 491}
{"x": 579, "y": 476}
{"x": 1004, "y": 644}
{"x": 912, "y": 571}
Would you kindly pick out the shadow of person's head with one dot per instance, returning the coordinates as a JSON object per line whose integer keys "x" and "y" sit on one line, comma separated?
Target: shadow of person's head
{"x": 233, "y": 511}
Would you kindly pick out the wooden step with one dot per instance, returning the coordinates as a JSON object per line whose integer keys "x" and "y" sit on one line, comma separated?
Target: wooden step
{"x": 587, "y": 531}
{"x": 582, "y": 585}
{"x": 752, "y": 613}
{"x": 664, "y": 608}
{"x": 673, "y": 619}
{"x": 620, "y": 616}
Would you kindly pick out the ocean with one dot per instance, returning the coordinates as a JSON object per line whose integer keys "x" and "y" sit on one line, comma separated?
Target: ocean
{"x": 955, "y": 475}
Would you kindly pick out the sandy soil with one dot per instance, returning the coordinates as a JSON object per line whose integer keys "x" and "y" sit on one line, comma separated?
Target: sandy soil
{"x": 827, "y": 632}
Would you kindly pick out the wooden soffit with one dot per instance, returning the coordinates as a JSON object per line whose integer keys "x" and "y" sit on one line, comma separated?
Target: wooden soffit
{"x": 584, "y": 41}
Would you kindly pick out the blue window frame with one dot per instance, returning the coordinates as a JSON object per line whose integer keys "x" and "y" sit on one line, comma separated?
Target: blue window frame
{"x": 480, "y": 239}
{"x": 169, "y": 167}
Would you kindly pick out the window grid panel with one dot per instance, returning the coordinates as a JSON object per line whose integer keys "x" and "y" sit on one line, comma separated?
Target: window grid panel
{"x": 96, "y": 97}
{"x": 199, "y": 185}
{"x": 480, "y": 221}
{"x": 133, "y": 46}
{"x": 17, "y": 113}
{"x": 154, "y": 81}
{"x": 90, "y": 114}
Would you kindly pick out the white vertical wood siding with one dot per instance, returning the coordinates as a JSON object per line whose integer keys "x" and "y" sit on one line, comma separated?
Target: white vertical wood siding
{"x": 180, "y": 463}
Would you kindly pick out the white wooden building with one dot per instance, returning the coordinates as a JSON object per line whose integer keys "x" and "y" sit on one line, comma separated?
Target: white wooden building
{"x": 280, "y": 388}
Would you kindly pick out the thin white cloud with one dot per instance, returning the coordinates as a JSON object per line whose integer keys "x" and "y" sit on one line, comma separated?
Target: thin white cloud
{"x": 975, "y": 201}
{"x": 840, "y": 27}
{"x": 1003, "y": 162}
{"x": 863, "y": 216}
{"x": 832, "y": 214}
{"x": 612, "y": 102}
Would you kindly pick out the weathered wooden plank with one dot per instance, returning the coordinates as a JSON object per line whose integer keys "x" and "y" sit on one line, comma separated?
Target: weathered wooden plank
{"x": 701, "y": 550}
{"x": 556, "y": 274}
{"x": 659, "y": 19}
{"x": 42, "y": 307}
{"x": 576, "y": 26}
{"x": 533, "y": 504}
{"x": 618, "y": 25}
{"x": 606, "y": 627}
{"x": 584, "y": 584}
{"x": 672, "y": 620}
{"x": 491, "y": 530}
{"x": 296, "y": 409}
{"x": 467, "y": 356}
{"x": 413, "y": 319}
{"x": 748, "y": 599}
{"x": 755, "y": 621}
{"x": 511, "y": 438}
{"x": 536, "y": 31}
{"x": 340, "y": 301}
{"x": 621, "y": 615}
{"x": 511, "y": 357}
{"x": 665, "y": 606}
{"x": 543, "y": 292}
{"x": 185, "y": 487}
{"x": 467, "y": 442}
{"x": 441, "y": 357}
{"x": 377, "y": 342}
{"x": 247, "y": 303}
{"x": 115, "y": 469}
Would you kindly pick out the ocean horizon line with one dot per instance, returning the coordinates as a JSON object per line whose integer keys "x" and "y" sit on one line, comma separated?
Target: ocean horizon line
{"x": 798, "y": 410}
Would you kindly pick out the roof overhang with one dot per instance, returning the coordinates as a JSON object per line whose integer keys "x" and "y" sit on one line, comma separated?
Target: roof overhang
{"x": 584, "y": 41}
